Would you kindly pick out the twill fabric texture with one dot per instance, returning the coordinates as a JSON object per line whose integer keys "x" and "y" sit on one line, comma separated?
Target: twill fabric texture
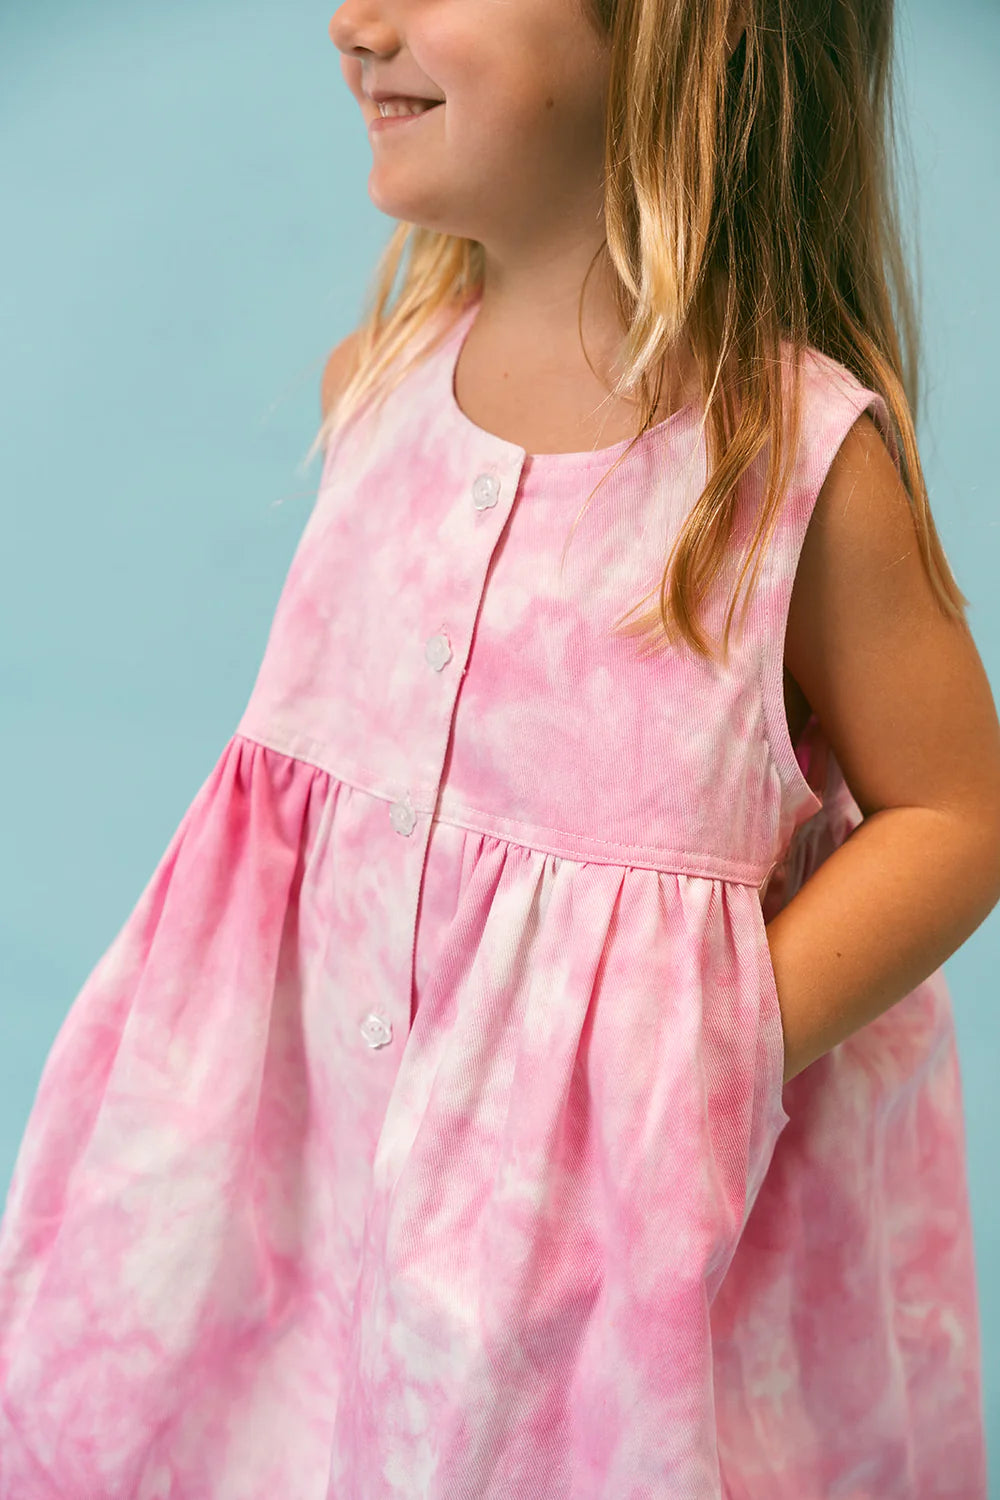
{"x": 421, "y": 1133}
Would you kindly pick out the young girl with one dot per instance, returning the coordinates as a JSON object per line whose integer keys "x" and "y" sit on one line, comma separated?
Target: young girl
{"x": 445, "y": 1121}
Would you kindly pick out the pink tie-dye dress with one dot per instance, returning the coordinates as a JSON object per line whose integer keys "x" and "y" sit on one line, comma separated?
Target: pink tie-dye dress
{"x": 422, "y": 1133}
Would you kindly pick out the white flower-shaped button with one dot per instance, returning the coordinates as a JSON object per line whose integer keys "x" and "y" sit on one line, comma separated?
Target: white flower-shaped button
{"x": 402, "y": 817}
{"x": 485, "y": 491}
{"x": 438, "y": 651}
{"x": 376, "y": 1030}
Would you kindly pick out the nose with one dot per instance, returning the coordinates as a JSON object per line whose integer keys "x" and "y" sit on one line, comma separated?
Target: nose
{"x": 356, "y": 29}
{"x": 337, "y": 29}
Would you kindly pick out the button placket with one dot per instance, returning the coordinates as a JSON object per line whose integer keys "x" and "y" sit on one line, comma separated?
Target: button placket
{"x": 376, "y": 1029}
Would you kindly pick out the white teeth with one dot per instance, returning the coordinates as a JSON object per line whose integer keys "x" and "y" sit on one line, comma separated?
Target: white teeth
{"x": 390, "y": 107}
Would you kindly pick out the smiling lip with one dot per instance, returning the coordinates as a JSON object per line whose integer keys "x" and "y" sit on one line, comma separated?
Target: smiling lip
{"x": 380, "y": 96}
{"x": 387, "y": 122}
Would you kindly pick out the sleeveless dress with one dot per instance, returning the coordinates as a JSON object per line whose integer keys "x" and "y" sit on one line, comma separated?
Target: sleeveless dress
{"x": 422, "y": 1130}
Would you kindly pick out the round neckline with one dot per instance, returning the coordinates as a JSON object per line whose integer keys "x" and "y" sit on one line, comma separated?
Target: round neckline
{"x": 587, "y": 458}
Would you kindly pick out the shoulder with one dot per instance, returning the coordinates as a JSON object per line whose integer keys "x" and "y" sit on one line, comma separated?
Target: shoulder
{"x": 862, "y": 528}
{"x": 340, "y": 366}
{"x": 858, "y": 573}
{"x": 862, "y": 510}
{"x": 895, "y": 682}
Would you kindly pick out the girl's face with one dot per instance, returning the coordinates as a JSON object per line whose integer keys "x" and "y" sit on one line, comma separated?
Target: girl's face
{"x": 515, "y": 154}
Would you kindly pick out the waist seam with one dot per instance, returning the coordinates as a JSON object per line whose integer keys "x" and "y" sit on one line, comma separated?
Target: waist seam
{"x": 560, "y": 842}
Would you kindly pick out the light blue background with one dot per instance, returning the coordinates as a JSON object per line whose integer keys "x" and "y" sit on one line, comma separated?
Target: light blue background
{"x": 186, "y": 233}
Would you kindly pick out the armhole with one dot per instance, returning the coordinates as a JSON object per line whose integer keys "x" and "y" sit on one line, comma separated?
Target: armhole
{"x": 804, "y": 786}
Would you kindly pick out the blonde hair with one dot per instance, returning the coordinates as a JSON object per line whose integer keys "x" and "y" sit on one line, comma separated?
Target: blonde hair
{"x": 750, "y": 211}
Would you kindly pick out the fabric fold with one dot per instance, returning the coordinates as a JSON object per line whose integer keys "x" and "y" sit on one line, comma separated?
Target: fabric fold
{"x": 131, "y": 1250}
{"x": 562, "y": 1175}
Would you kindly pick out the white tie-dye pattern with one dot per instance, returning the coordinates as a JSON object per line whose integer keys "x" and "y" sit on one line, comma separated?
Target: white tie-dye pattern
{"x": 565, "y": 1235}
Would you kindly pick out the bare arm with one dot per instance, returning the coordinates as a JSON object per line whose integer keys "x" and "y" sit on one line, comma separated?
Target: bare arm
{"x": 903, "y": 697}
